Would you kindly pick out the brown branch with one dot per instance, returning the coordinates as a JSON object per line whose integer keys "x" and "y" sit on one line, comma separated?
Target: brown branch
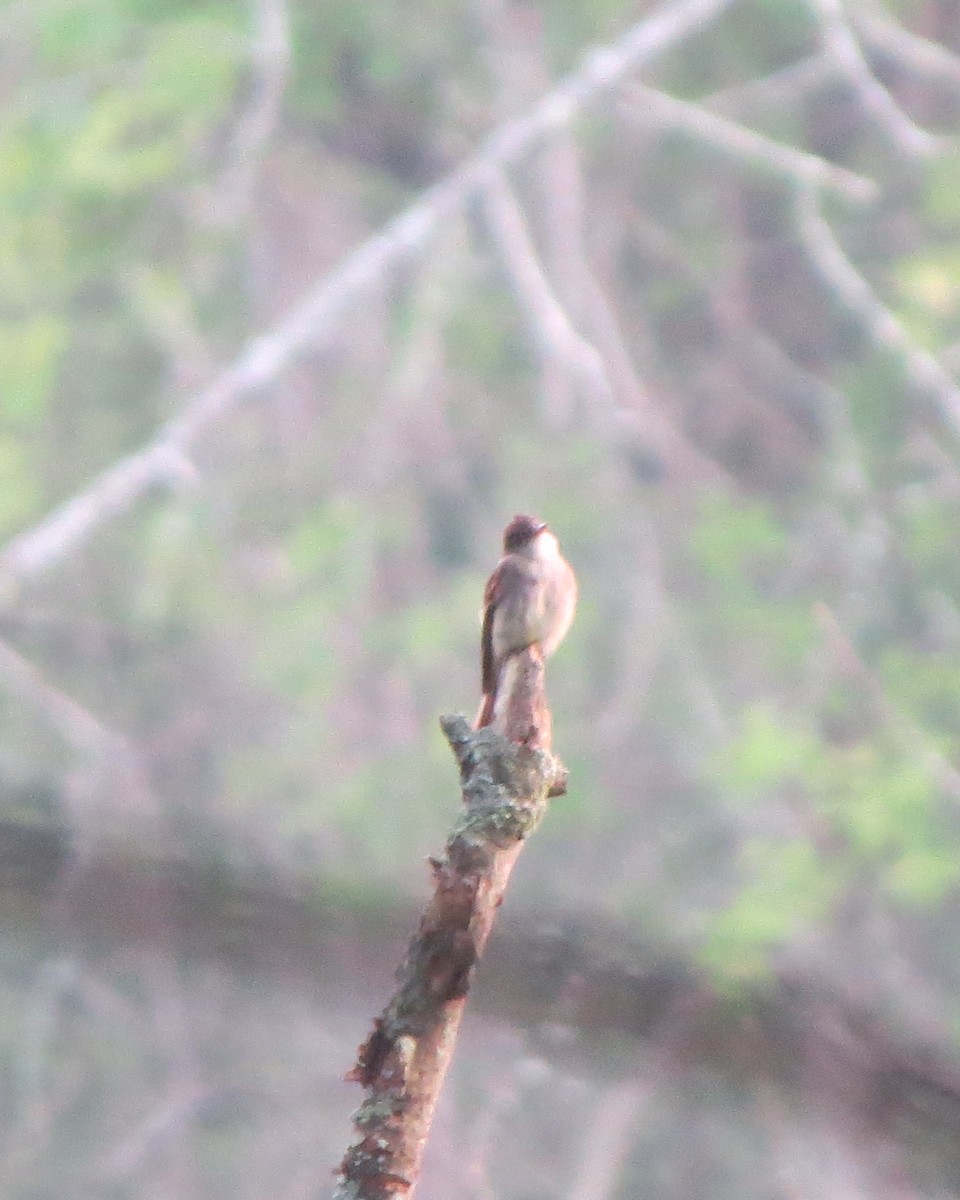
{"x": 506, "y": 783}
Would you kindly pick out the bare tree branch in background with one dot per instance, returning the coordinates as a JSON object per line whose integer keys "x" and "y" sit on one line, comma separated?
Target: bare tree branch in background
{"x": 410, "y": 395}
{"x": 109, "y": 794}
{"x": 609, "y": 1141}
{"x": 845, "y": 659}
{"x": 839, "y": 41}
{"x": 646, "y": 106}
{"x": 924, "y": 58}
{"x": 132, "y": 1155}
{"x": 731, "y": 304}
{"x": 923, "y": 370}
{"x": 552, "y": 325}
{"x": 164, "y": 459}
{"x": 627, "y": 426}
{"x": 82, "y": 731}
{"x": 270, "y": 56}
{"x": 783, "y": 87}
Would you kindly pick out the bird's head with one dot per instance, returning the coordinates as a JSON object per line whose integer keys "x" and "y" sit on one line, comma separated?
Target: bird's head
{"x": 521, "y": 532}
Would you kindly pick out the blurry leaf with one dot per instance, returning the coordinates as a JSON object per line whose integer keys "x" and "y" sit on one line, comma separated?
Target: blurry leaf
{"x": 170, "y": 555}
{"x": 921, "y": 878}
{"x": 733, "y": 536}
{"x": 20, "y": 491}
{"x": 942, "y": 193}
{"x": 789, "y": 885}
{"x": 930, "y": 296}
{"x": 30, "y": 354}
{"x": 136, "y": 135}
{"x": 927, "y": 686}
{"x": 121, "y": 149}
{"x": 876, "y": 392}
{"x": 933, "y": 281}
{"x": 764, "y": 753}
{"x": 483, "y": 335}
{"x": 876, "y": 798}
{"x": 76, "y": 32}
{"x": 191, "y": 66}
{"x": 326, "y": 541}
{"x": 35, "y": 262}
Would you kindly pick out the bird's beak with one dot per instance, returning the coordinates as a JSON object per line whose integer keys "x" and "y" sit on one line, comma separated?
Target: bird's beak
{"x": 541, "y": 527}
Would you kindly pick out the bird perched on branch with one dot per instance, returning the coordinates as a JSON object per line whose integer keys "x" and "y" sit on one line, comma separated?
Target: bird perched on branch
{"x": 529, "y": 601}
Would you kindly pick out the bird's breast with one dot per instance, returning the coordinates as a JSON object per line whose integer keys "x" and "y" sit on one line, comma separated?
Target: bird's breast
{"x": 537, "y": 611}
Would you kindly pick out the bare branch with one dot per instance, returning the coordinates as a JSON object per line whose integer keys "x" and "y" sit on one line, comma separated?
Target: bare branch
{"x": 647, "y": 106}
{"x": 915, "y": 742}
{"x": 786, "y": 86}
{"x": 840, "y": 42}
{"x": 635, "y": 423}
{"x": 923, "y": 370}
{"x": 905, "y": 48}
{"x": 403, "y": 1062}
{"x": 610, "y": 1142}
{"x": 113, "y": 797}
{"x": 271, "y": 68}
{"x": 551, "y": 322}
{"x": 413, "y": 388}
{"x": 166, "y": 1121}
{"x": 78, "y": 727}
{"x": 264, "y": 358}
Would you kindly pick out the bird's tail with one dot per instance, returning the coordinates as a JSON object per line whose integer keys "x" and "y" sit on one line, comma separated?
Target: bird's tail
{"x": 486, "y": 711}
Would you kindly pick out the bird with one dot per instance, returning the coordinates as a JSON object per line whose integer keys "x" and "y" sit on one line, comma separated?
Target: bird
{"x": 529, "y": 600}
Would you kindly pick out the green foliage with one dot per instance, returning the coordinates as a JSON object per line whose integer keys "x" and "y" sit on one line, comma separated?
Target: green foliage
{"x": 737, "y": 549}
{"x": 765, "y": 754}
{"x": 134, "y": 94}
{"x": 878, "y": 405}
{"x": 290, "y": 620}
{"x": 364, "y": 53}
{"x": 877, "y": 799}
{"x": 72, "y": 34}
{"x": 876, "y": 812}
{"x": 30, "y": 356}
{"x": 19, "y": 490}
{"x": 569, "y": 27}
{"x": 484, "y": 335}
{"x": 930, "y": 291}
{"x": 924, "y": 876}
{"x": 140, "y": 132}
{"x": 789, "y": 888}
{"x": 734, "y": 541}
{"x": 926, "y": 688}
{"x": 326, "y": 542}
{"x": 430, "y": 630}
{"x": 942, "y": 190}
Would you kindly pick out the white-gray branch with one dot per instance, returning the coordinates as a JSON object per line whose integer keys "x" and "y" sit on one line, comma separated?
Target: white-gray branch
{"x": 167, "y": 455}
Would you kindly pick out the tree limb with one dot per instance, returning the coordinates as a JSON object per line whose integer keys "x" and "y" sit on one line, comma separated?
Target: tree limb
{"x": 506, "y": 784}
{"x": 165, "y": 458}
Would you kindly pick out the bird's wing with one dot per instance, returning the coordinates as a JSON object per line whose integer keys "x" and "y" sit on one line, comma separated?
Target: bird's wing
{"x": 488, "y": 672}
{"x": 508, "y": 578}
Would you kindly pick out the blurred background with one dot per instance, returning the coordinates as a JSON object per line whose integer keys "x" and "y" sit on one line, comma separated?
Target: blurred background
{"x": 701, "y": 311}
